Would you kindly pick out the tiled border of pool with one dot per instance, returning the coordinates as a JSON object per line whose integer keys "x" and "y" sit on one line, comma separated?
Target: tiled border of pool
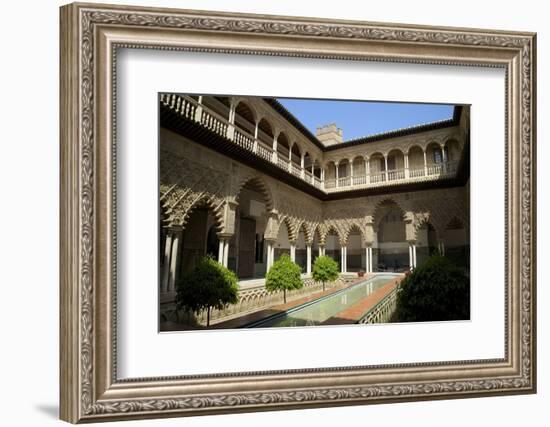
{"x": 362, "y": 305}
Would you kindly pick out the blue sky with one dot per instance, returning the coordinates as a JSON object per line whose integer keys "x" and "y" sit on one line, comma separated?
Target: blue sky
{"x": 360, "y": 118}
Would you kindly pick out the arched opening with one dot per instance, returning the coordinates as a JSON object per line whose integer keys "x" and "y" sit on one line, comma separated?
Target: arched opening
{"x": 434, "y": 159}
{"x": 344, "y": 173}
{"x": 315, "y": 246}
{"x": 265, "y": 139}
{"x": 453, "y": 154}
{"x": 396, "y": 165}
{"x": 391, "y": 251}
{"x": 199, "y": 233}
{"x": 426, "y": 242}
{"x": 457, "y": 243}
{"x": 283, "y": 149}
{"x": 308, "y": 163}
{"x": 244, "y": 118}
{"x": 218, "y": 104}
{"x": 301, "y": 250}
{"x": 377, "y": 167}
{"x": 359, "y": 171}
{"x": 416, "y": 162}
{"x": 247, "y": 251}
{"x": 296, "y": 160}
{"x": 282, "y": 244}
{"x": 332, "y": 246}
{"x": 354, "y": 250}
{"x": 330, "y": 175}
{"x": 317, "y": 173}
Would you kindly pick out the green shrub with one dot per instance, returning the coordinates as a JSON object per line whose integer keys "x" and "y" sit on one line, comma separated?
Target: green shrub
{"x": 284, "y": 275}
{"x": 325, "y": 269}
{"x": 208, "y": 285}
{"x": 436, "y": 290}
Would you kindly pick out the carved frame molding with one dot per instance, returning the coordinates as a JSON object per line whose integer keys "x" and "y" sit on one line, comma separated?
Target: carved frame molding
{"x": 90, "y": 36}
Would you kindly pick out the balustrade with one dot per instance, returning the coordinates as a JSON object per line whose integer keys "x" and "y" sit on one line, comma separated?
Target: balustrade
{"x": 191, "y": 109}
{"x": 344, "y": 181}
{"x": 330, "y": 183}
{"x": 297, "y": 170}
{"x": 394, "y": 175}
{"x": 416, "y": 172}
{"x": 377, "y": 177}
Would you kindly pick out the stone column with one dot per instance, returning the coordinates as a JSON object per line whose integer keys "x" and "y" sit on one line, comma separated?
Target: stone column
{"x": 174, "y": 259}
{"x": 336, "y": 167}
{"x": 370, "y": 259}
{"x": 226, "y": 252}
{"x": 293, "y": 252}
{"x": 221, "y": 251}
{"x": 198, "y": 111}
{"x": 313, "y": 172}
{"x": 166, "y": 264}
{"x": 302, "y": 163}
{"x": 351, "y": 173}
{"x": 308, "y": 263}
{"x": 231, "y": 126}
{"x": 274, "y": 159}
{"x": 345, "y": 259}
{"x": 367, "y": 263}
{"x": 444, "y": 159}
{"x": 386, "y": 167}
{"x": 270, "y": 253}
{"x": 321, "y": 250}
{"x": 290, "y": 159}
{"x": 367, "y": 171}
{"x": 412, "y": 255}
{"x": 406, "y": 165}
{"x": 255, "y": 149}
{"x": 425, "y": 164}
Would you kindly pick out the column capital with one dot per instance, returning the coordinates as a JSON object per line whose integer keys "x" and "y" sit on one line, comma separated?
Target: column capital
{"x": 225, "y": 236}
{"x": 175, "y": 229}
{"x": 232, "y": 203}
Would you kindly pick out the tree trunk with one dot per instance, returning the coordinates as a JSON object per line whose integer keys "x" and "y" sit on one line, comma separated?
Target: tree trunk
{"x": 323, "y": 286}
{"x": 208, "y": 316}
{"x": 284, "y": 295}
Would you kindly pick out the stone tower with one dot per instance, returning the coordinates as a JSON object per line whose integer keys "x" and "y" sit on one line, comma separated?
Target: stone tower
{"x": 330, "y": 134}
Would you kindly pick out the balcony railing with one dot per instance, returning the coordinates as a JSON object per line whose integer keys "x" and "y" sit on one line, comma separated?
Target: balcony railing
{"x": 391, "y": 177}
{"x": 193, "y": 110}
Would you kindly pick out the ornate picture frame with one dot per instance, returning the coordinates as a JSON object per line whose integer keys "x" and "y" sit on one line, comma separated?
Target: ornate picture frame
{"x": 90, "y": 37}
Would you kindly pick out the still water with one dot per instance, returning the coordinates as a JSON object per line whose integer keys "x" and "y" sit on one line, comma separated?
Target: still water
{"x": 317, "y": 311}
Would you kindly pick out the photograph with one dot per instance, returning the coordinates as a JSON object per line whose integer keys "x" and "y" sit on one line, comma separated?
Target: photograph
{"x": 291, "y": 212}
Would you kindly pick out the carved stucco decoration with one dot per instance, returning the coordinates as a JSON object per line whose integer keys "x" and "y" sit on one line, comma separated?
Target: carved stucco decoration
{"x": 185, "y": 184}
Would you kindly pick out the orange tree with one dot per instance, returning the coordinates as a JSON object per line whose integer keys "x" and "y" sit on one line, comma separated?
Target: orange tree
{"x": 436, "y": 290}
{"x": 284, "y": 275}
{"x": 325, "y": 269}
{"x": 208, "y": 285}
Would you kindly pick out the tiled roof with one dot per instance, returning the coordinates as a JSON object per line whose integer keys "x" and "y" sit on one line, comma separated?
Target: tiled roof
{"x": 287, "y": 115}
